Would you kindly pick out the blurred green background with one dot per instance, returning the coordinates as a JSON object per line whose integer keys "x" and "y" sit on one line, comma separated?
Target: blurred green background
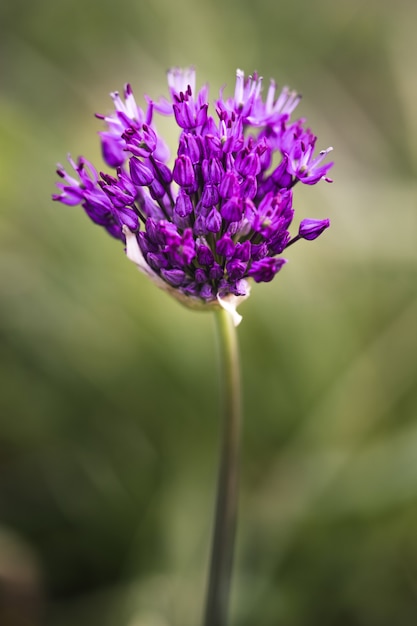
{"x": 109, "y": 394}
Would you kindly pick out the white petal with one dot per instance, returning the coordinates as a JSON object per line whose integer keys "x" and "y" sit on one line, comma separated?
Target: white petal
{"x": 133, "y": 252}
{"x": 230, "y": 302}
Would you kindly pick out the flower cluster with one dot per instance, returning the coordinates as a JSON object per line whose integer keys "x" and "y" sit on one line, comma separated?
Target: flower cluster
{"x": 219, "y": 214}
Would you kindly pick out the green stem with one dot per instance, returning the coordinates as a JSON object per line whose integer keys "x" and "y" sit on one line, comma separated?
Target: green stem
{"x": 227, "y": 490}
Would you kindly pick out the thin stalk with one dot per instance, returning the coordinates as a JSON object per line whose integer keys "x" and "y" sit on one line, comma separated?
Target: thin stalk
{"x": 218, "y": 592}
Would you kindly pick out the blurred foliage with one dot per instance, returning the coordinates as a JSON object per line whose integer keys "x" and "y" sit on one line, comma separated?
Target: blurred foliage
{"x": 108, "y": 404}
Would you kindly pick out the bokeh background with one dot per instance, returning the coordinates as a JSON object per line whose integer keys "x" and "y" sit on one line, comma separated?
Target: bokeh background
{"x": 108, "y": 389}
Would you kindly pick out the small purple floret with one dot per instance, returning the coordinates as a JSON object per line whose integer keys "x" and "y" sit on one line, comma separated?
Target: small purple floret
{"x": 218, "y": 213}
{"x": 311, "y": 229}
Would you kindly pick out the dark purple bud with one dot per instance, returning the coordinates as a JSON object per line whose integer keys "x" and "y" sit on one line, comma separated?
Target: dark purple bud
{"x": 157, "y": 189}
{"x": 225, "y": 246}
{"x": 184, "y": 115}
{"x": 229, "y": 186}
{"x": 128, "y": 217}
{"x": 213, "y": 221}
{"x": 249, "y": 187}
{"x": 263, "y": 271}
{"x": 216, "y": 272}
{"x": 235, "y": 269}
{"x": 213, "y": 143}
{"x": 191, "y": 289}
{"x": 145, "y": 244}
{"x": 249, "y": 165}
{"x": 212, "y": 171}
{"x": 157, "y": 261}
{"x": 232, "y": 210}
{"x": 173, "y": 277}
{"x": 205, "y": 255}
{"x": 164, "y": 173}
{"x": 189, "y": 146}
{"x": 183, "y": 172}
{"x": 259, "y": 251}
{"x": 207, "y": 292}
{"x": 98, "y": 200}
{"x": 210, "y": 196}
{"x": 200, "y": 275}
{"x": 279, "y": 242}
{"x": 183, "y": 204}
{"x": 311, "y": 229}
{"x": 141, "y": 174}
{"x": 243, "y": 251}
{"x": 152, "y": 230}
{"x": 200, "y": 226}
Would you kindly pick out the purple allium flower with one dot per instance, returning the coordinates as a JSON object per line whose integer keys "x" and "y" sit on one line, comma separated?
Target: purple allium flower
{"x": 219, "y": 213}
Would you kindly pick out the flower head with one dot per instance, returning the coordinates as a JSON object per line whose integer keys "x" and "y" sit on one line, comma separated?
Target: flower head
{"x": 219, "y": 214}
